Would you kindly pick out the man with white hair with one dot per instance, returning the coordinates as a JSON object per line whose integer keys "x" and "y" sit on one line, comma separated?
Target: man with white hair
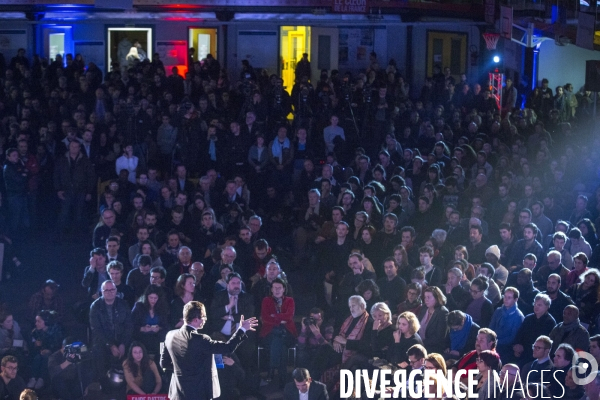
{"x": 554, "y": 266}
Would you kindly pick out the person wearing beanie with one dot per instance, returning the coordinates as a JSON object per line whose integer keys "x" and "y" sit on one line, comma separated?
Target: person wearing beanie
{"x": 492, "y": 255}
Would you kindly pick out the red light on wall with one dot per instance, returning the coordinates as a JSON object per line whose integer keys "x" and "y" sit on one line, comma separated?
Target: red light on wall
{"x": 173, "y": 53}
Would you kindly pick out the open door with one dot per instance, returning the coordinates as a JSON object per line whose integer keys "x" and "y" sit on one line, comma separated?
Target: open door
{"x": 324, "y": 51}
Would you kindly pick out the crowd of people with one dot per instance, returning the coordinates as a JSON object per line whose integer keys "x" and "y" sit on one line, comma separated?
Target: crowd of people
{"x": 428, "y": 228}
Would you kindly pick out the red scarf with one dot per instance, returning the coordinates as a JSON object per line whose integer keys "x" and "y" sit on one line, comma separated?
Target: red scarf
{"x": 356, "y": 333}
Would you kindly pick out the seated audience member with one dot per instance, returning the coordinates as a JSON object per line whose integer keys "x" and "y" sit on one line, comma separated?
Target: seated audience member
{"x": 563, "y": 358}
{"x": 493, "y": 292}
{"x": 553, "y": 266}
{"x": 512, "y": 390}
{"x": 486, "y": 340}
{"x": 150, "y": 317}
{"x": 573, "y": 391}
{"x": 303, "y": 387}
{"x": 433, "y": 274}
{"x": 457, "y": 297}
{"x": 46, "y": 338}
{"x": 488, "y": 362}
{"x": 141, "y": 372}
{"x": 110, "y": 321}
{"x": 231, "y": 377}
{"x": 580, "y": 266}
{"x": 354, "y": 337}
{"x": 405, "y": 337}
{"x": 278, "y": 330}
{"x": 480, "y": 308}
{"x": 434, "y": 320}
{"x": 124, "y": 291}
{"x": 559, "y": 299}
{"x": 535, "y": 325}
{"x": 184, "y": 293}
{"x": 182, "y": 266}
{"x": 221, "y": 284}
{"x": 541, "y": 359}
{"x": 158, "y": 277}
{"x": 391, "y": 287}
{"x": 147, "y": 248}
{"x": 262, "y": 288}
{"x": 313, "y": 333}
{"x": 11, "y": 385}
{"x": 527, "y": 292}
{"x": 413, "y": 302}
{"x": 47, "y": 299}
{"x": 95, "y": 273}
{"x": 463, "y": 334}
{"x": 570, "y": 331}
{"x": 369, "y": 291}
{"x": 506, "y": 321}
{"x": 11, "y": 337}
{"x": 139, "y": 278}
{"x": 584, "y": 294}
{"x": 68, "y": 376}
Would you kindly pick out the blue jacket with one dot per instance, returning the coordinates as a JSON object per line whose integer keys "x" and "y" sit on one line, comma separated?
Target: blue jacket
{"x": 506, "y": 323}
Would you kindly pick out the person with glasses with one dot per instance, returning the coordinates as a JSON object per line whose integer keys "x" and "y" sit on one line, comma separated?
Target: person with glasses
{"x": 487, "y": 384}
{"x": 480, "y": 308}
{"x": 434, "y": 362}
{"x": 463, "y": 334}
{"x": 536, "y": 324}
{"x": 405, "y": 337}
{"x": 510, "y": 391}
{"x": 542, "y": 362}
{"x": 112, "y": 328}
{"x": 11, "y": 385}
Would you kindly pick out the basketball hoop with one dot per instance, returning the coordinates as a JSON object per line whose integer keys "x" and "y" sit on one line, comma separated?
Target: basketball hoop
{"x": 491, "y": 40}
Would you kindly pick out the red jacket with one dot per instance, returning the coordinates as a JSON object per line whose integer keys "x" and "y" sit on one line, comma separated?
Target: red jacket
{"x": 271, "y": 319}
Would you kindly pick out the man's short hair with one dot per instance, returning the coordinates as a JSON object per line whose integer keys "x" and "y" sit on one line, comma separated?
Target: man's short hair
{"x": 514, "y": 291}
{"x": 426, "y": 249}
{"x": 233, "y": 275}
{"x": 193, "y": 310}
{"x": 491, "y": 336}
{"x": 113, "y": 239}
{"x": 161, "y": 270}
{"x": 559, "y": 235}
{"x": 533, "y": 227}
{"x": 300, "y": 375}
{"x": 391, "y": 216}
{"x": 9, "y": 359}
{"x": 408, "y": 229}
{"x": 546, "y": 340}
{"x": 98, "y": 251}
{"x": 490, "y": 268}
{"x": 530, "y": 256}
{"x": 116, "y": 265}
{"x": 506, "y": 226}
{"x": 456, "y": 272}
{"x": 145, "y": 260}
{"x": 261, "y": 244}
{"x": 417, "y": 351}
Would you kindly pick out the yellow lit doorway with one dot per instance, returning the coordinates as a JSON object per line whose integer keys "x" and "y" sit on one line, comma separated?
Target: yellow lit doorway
{"x": 204, "y": 41}
{"x": 294, "y": 41}
{"x": 447, "y": 49}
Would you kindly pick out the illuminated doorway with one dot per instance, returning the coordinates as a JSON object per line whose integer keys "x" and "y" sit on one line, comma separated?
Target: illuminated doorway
{"x": 204, "y": 41}
{"x": 294, "y": 41}
{"x": 447, "y": 49}
{"x": 121, "y": 42}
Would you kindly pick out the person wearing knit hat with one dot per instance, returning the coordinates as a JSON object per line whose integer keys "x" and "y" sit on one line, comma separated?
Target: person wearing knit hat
{"x": 492, "y": 255}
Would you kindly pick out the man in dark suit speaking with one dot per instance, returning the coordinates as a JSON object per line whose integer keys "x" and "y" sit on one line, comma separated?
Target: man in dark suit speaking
{"x": 190, "y": 355}
{"x": 304, "y": 387}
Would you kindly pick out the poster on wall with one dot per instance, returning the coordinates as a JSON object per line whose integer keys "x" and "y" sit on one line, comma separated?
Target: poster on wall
{"x": 12, "y": 40}
{"x": 357, "y": 43}
{"x": 91, "y": 52}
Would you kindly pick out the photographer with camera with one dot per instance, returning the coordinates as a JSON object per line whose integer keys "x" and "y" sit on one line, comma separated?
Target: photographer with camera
{"x": 68, "y": 374}
{"x": 312, "y": 335}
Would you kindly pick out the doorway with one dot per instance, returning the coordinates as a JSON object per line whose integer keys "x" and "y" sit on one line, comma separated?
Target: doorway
{"x": 294, "y": 41}
{"x": 447, "y": 49}
{"x": 203, "y": 41}
{"x": 121, "y": 42}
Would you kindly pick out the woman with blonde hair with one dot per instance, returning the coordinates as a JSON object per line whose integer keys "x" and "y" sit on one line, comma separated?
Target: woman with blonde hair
{"x": 405, "y": 336}
{"x": 382, "y": 337}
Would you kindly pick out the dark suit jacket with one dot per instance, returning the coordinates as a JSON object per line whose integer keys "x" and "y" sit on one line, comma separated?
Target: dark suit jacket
{"x": 316, "y": 391}
{"x": 245, "y": 307}
{"x": 190, "y": 355}
{"x": 436, "y": 338}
